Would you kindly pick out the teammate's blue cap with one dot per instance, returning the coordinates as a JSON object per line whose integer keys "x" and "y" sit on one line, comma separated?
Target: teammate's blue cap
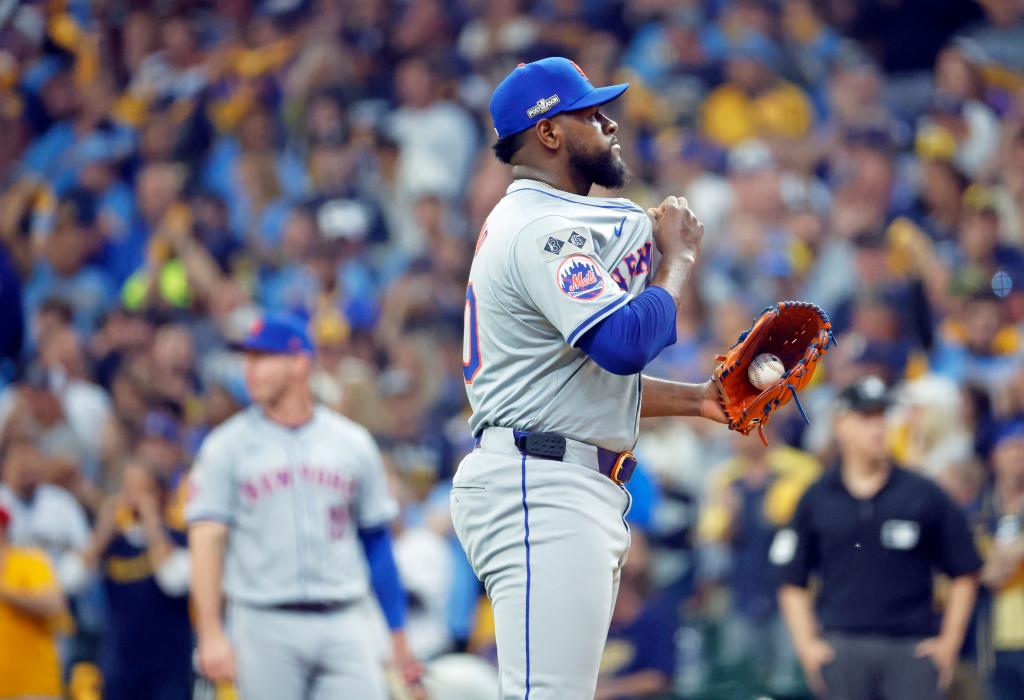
{"x": 542, "y": 89}
{"x": 278, "y": 333}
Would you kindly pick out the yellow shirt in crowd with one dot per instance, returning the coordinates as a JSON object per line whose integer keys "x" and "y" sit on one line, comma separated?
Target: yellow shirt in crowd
{"x": 29, "y": 665}
{"x": 730, "y": 116}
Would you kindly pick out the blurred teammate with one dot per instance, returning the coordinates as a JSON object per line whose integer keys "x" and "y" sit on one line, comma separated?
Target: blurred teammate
{"x": 875, "y": 534}
{"x": 565, "y": 306}
{"x": 286, "y": 500}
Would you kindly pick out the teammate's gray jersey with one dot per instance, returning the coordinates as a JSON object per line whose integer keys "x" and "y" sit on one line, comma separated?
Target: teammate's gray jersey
{"x": 549, "y": 266}
{"x": 294, "y": 500}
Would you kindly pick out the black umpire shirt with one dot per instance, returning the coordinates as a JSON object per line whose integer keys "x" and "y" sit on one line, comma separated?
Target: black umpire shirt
{"x": 875, "y": 557}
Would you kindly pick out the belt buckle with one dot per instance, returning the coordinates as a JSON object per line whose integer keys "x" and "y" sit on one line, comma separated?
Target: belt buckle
{"x": 620, "y": 463}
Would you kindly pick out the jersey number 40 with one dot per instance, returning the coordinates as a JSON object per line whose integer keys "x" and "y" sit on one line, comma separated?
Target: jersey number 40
{"x": 471, "y": 363}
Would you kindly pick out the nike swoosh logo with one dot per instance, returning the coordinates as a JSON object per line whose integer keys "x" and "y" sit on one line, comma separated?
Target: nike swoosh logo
{"x": 618, "y": 229}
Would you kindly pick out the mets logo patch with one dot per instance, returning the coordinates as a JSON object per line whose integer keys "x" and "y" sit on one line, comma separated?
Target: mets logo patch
{"x": 579, "y": 278}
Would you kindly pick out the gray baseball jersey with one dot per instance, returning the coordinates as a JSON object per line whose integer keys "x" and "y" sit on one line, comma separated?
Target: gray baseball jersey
{"x": 549, "y": 266}
{"x": 294, "y": 500}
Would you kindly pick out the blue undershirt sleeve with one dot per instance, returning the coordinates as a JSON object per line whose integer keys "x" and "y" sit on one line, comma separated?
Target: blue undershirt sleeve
{"x": 627, "y": 340}
{"x": 387, "y": 586}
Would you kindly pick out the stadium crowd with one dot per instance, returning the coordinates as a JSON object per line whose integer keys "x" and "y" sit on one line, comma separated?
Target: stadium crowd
{"x": 170, "y": 170}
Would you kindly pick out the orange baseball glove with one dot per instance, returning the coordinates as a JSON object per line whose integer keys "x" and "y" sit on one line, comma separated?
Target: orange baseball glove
{"x": 796, "y": 332}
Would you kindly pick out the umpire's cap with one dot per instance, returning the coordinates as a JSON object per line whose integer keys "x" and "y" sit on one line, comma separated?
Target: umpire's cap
{"x": 276, "y": 333}
{"x": 542, "y": 89}
{"x": 868, "y": 395}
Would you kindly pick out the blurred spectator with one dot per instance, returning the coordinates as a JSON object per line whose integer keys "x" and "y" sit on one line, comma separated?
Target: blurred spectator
{"x": 689, "y": 164}
{"x": 12, "y": 322}
{"x": 32, "y": 410}
{"x": 213, "y": 232}
{"x": 436, "y": 137}
{"x": 43, "y": 515}
{"x": 503, "y": 29}
{"x": 424, "y": 561}
{"x": 971, "y": 123}
{"x": 30, "y": 601}
{"x": 932, "y": 432}
{"x": 752, "y": 257}
{"x": 84, "y": 403}
{"x": 66, "y": 273}
{"x": 670, "y": 56}
{"x": 1001, "y": 32}
{"x": 978, "y": 344}
{"x": 160, "y": 448}
{"x": 750, "y": 497}
{"x": 140, "y": 549}
{"x": 639, "y": 656}
{"x": 754, "y": 101}
{"x": 176, "y": 70}
{"x": 982, "y": 252}
{"x": 1003, "y": 574}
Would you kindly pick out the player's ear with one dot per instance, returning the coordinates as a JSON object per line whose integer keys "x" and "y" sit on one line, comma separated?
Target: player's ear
{"x": 303, "y": 365}
{"x": 549, "y": 133}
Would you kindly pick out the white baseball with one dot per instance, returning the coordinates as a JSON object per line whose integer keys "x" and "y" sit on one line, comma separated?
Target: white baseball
{"x": 765, "y": 370}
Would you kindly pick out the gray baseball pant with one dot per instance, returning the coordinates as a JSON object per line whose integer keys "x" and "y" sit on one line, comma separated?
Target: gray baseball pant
{"x": 287, "y": 655}
{"x": 548, "y": 540}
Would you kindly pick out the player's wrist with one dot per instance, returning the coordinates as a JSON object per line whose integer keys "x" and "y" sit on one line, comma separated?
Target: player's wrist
{"x": 210, "y": 630}
{"x": 679, "y": 252}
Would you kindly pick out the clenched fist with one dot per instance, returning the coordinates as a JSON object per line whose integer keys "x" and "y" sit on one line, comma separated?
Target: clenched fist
{"x": 677, "y": 230}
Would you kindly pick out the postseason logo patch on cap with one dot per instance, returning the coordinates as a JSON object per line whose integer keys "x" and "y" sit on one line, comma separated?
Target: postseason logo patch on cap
{"x": 543, "y": 105}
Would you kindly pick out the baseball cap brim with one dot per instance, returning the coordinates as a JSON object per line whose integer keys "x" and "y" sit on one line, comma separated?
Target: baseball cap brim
{"x": 264, "y": 345}
{"x": 597, "y": 96}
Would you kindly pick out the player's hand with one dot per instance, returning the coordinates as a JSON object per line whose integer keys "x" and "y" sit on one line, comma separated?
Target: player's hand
{"x": 711, "y": 403}
{"x": 677, "y": 230}
{"x": 217, "y": 657}
{"x": 944, "y": 654}
{"x": 815, "y": 655}
{"x": 408, "y": 666}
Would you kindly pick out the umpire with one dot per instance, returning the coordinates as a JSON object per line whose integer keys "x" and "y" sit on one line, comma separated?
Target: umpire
{"x": 874, "y": 535}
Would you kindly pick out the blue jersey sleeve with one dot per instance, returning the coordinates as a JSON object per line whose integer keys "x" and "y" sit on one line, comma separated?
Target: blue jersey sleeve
{"x": 387, "y": 586}
{"x": 633, "y": 335}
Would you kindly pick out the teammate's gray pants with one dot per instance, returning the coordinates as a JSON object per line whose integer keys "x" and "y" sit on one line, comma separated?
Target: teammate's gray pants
{"x": 548, "y": 540}
{"x": 284, "y": 655}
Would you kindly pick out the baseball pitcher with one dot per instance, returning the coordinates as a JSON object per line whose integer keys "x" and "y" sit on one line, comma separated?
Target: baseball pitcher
{"x": 569, "y": 298}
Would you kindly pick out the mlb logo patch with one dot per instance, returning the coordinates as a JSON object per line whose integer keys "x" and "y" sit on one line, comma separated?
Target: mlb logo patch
{"x": 553, "y": 245}
{"x": 579, "y": 278}
{"x": 577, "y": 240}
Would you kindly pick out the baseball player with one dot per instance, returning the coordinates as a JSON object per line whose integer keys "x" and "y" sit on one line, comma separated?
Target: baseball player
{"x": 567, "y": 301}
{"x": 287, "y": 499}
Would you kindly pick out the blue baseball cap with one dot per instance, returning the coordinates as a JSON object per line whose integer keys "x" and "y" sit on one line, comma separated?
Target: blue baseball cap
{"x": 542, "y": 89}
{"x": 278, "y": 333}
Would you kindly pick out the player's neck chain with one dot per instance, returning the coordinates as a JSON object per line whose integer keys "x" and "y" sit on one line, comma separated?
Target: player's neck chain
{"x": 539, "y": 182}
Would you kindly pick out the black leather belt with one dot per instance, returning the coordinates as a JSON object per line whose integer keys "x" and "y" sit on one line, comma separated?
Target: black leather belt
{"x": 617, "y": 466}
{"x": 313, "y": 606}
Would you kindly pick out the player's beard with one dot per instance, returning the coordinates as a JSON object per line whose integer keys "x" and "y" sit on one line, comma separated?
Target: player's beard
{"x": 602, "y": 168}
